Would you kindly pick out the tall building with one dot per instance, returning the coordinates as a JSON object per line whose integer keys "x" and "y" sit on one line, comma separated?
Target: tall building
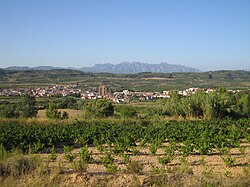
{"x": 103, "y": 90}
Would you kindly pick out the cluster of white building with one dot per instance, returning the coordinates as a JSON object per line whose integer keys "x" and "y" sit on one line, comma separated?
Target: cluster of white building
{"x": 102, "y": 92}
{"x": 40, "y": 92}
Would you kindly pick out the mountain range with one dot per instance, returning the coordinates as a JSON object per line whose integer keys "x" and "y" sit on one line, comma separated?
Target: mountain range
{"x": 25, "y": 68}
{"x": 121, "y": 68}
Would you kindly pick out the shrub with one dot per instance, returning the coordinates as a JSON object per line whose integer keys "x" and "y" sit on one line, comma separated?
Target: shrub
{"x": 202, "y": 161}
{"x": 3, "y": 152}
{"x": 228, "y": 173}
{"x": 18, "y": 165}
{"x": 126, "y": 158}
{"x": 107, "y": 159}
{"x": 184, "y": 167}
{"x": 242, "y": 150}
{"x": 170, "y": 150}
{"x": 134, "y": 167}
{"x": 246, "y": 170}
{"x": 80, "y": 165}
{"x": 156, "y": 170}
{"x": 36, "y": 147}
{"x": 111, "y": 168}
{"x": 224, "y": 150}
{"x": 135, "y": 151}
{"x": 187, "y": 148}
{"x": 84, "y": 155}
{"x": 154, "y": 146}
{"x": 52, "y": 155}
{"x": 207, "y": 172}
{"x": 229, "y": 161}
{"x": 69, "y": 156}
{"x": 165, "y": 159}
{"x": 65, "y": 115}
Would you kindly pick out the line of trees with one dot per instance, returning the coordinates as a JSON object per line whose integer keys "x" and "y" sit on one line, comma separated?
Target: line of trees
{"x": 26, "y": 108}
{"x": 215, "y": 105}
{"x": 218, "y": 104}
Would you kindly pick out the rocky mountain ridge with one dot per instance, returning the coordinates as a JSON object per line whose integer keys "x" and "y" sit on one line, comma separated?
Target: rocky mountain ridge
{"x": 121, "y": 68}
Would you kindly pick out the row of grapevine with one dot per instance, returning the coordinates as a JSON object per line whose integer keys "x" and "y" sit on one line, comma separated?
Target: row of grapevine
{"x": 195, "y": 136}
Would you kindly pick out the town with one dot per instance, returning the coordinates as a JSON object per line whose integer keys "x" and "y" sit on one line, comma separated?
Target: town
{"x": 100, "y": 92}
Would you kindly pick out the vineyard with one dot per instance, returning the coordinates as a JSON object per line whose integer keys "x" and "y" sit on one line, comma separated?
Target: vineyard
{"x": 134, "y": 147}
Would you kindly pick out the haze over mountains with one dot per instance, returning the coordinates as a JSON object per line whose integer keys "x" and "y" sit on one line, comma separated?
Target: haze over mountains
{"x": 123, "y": 68}
{"x": 137, "y": 67}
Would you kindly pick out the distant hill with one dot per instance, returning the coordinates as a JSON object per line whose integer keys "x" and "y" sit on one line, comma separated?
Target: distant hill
{"x": 122, "y": 68}
{"x": 145, "y": 81}
{"x": 137, "y": 67}
{"x": 23, "y": 68}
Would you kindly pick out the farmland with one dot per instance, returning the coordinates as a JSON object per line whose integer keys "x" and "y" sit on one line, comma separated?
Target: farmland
{"x": 72, "y": 113}
{"x": 142, "y": 81}
{"x": 197, "y": 140}
{"x": 144, "y": 151}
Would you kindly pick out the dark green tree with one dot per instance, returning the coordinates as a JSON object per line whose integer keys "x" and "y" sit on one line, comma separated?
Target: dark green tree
{"x": 68, "y": 102}
{"x": 99, "y": 108}
{"x": 65, "y": 115}
{"x": 52, "y": 112}
{"x": 9, "y": 111}
{"x": 28, "y": 107}
{"x": 222, "y": 103}
{"x": 127, "y": 111}
{"x": 210, "y": 76}
{"x": 174, "y": 105}
{"x": 243, "y": 105}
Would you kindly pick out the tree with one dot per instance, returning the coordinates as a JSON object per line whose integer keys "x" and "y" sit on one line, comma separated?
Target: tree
{"x": 9, "y": 111}
{"x": 174, "y": 105}
{"x": 219, "y": 104}
{"x": 99, "y": 108}
{"x": 68, "y": 102}
{"x": 65, "y": 115}
{"x": 210, "y": 76}
{"x": 28, "y": 106}
{"x": 128, "y": 111}
{"x": 52, "y": 112}
{"x": 243, "y": 105}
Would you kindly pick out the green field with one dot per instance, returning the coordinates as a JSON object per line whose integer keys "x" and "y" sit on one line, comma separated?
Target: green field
{"x": 116, "y": 82}
{"x": 139, "y": 153}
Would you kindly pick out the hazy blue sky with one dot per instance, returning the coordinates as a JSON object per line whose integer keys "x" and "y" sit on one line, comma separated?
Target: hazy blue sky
{"x": 206, "y": 34}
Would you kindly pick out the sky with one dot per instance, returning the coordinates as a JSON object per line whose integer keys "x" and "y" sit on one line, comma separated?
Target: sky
{"x": 205, "y": 34}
